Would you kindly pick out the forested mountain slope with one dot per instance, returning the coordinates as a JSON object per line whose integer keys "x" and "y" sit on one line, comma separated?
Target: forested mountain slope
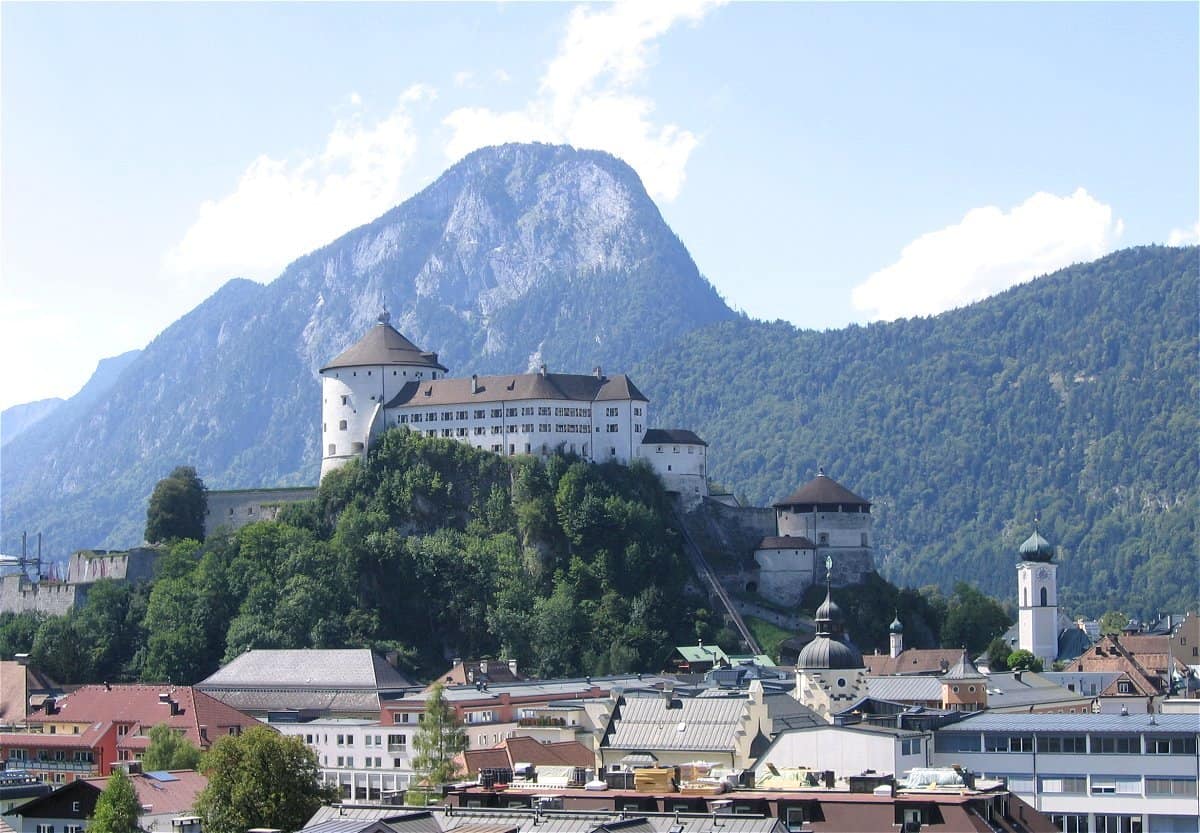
{"x": 517, "y": 255}
{"x": 1072, "y": 397}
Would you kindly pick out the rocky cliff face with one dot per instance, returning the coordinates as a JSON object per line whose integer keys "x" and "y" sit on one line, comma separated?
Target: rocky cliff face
{"x": 517, "y": 255}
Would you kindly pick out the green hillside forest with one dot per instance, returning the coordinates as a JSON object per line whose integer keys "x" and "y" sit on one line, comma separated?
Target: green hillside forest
{"x": 1072, "y": 398}
{"x": 434, "y": 549}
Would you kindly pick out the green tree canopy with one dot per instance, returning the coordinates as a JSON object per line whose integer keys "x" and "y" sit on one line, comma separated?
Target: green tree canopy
{"x": 177, "y": 507}
{"x": 972, "y": 619}
{"x": 1023, "y": 660}
{"x": 438, "y": 739}
{"x": 1114, "y": 621}
{"x": 169, "y": 749}
{"x": 998, "y": 653}
{"x": 259, "y": 779}
{"x": 117, "y": 808}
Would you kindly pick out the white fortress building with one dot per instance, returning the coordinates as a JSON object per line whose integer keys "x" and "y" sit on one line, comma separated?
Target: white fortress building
{"x": 385, "y": 381}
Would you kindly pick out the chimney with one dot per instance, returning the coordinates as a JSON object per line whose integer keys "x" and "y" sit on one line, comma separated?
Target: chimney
{"x": 597, "y": 372}
{"x": 474, "y": 383}
{"x": 1017, "y": 675}
{"x": 828, "y": 777}
{"x": 512, "y": 667}
{"x": 542, "y": 370}
{"x": 393, "y": 658}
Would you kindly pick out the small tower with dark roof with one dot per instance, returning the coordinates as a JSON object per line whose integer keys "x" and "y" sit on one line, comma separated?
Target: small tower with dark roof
{"x": 1037, "y": 598}
{"x": 895, "y": 637}
{"x": 964, "y": 687}
{"x": 821, "y": 518}
{"x": 830, "y": 673}
{"x": 359, "y": 381}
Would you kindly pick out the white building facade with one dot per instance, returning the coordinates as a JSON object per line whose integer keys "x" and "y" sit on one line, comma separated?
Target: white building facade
{"x": 385, "y": 381}
{"x": 363, "y": 759}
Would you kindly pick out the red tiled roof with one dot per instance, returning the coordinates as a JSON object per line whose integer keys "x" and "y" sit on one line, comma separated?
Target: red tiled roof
{"x": 913, "y": 661}
{"x": 139, "y": 705}
{"x": 172, "y": 796}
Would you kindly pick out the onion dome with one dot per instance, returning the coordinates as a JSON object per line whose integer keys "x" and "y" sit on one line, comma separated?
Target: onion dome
{"x": 829, "y": 612}
{"x": 896, "y": 627}
{"x": 825, "y": 652}
{"x": 1036, "y": 548}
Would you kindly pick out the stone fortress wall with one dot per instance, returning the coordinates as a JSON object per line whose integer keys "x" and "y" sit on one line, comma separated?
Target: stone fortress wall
{"x": 232, "y": 509}
{"x": 56, "y": 597}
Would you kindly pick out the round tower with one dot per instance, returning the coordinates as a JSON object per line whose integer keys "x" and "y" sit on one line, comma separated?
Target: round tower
{"x": 357, "y": 385}
{"x": 1037, "y": 598}
{"x": 833, "y": 518}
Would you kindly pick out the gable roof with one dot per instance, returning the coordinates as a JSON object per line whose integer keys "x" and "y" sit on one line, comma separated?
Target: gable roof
{"x": 913, "y": 661}
{"x": 514, "y": 387}
{"x": 383, "y": 345}
{"x": 142, "y": 706}
{"x": 1109, "y": 654}
{"x": 699, "y": 723}
{"x": 669, "y": 436}
{"x": 786, "y": 542}
{"x": 160, "y": 793}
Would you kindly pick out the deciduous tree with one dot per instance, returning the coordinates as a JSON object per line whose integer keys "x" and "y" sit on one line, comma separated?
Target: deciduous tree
{"x": 177, "y": 507}
{"x": 259, "y": 779}
{"x": 1023, "y": 660}
{"x": 117, "y": 808}
{"x": 169, "y": 749}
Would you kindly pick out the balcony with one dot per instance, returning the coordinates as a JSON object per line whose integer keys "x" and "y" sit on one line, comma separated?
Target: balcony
{"x": 544, "y": 722}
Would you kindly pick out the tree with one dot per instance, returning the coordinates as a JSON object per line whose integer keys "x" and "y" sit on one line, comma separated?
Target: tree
{"x": 1114, "y": 621}
{"x": 1022, "y": 660}
{"x": 169, "y": 749}
{"x": 972, "y": 619}
{"x": 438, "y": 739}
{"x": 177, "y": 508}
{"x": 259, "y": 779}
{"x": 998, "y": 652}
{"x": 117, "y": 808}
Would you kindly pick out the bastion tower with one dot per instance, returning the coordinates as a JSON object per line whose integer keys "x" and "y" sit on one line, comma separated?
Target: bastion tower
{"x": 836, "y": 521}
{"x": 1037, "y": 589}
{"x": 357, "y": 384}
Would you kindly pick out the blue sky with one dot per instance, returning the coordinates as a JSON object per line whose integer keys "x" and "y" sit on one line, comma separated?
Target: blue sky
{"x": 824, "y": 163}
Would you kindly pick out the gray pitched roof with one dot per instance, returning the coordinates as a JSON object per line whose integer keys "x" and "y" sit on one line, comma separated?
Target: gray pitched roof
{"x": 700, "y": 723}
{"x": 517, "y": 387}
{"x": 912, "y": 688}
{"x": 786, "y": 542}
{"x": 383, "y": 345}
{"x": 668, "y": 436}
{"x": 308, "y": 668}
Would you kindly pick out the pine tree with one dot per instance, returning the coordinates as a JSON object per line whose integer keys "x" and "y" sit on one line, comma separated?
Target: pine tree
{"x": 438, "y": 739}
{"x": 117, "y": 808}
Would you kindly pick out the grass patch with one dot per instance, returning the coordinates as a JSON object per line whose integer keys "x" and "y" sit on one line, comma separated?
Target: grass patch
{"x": 769, "y": 636}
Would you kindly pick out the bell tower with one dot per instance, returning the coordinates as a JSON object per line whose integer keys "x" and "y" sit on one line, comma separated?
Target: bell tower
{"x": 1037, "y": 599}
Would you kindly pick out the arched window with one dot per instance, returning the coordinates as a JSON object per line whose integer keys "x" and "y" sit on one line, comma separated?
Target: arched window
{"x": 1025, "y": 597}
{"x": 1044, "y": 597}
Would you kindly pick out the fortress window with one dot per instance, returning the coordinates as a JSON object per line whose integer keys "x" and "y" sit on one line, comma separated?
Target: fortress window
{"x": 480, "y": 414}
{"x": 823, "y": 539}
{"x": 613, "y": 428}
{"x": 345, "y": 399}
{"x": 448, "y": 415}
{"x": 864, "y": 539}
{"x": 1043, "y": 597}
{"x": 393, "y": 373}
{"x": 512, "y": 412}
{"x": 637, "y": 411}
{"x": 356, "y": 447}
{"x": 690, "y": 449}
{"x": 676, "y": 449}
{"x": 497, "y": 412}
{"x": 512, "y": 449}
{"x": 342, "y": 425}
{"x": 432, "y": 432}
{"x": 461, "y": 415}
{"x": 658, "y": 450}
{"x": 527, "y": 448}
{"x": 324, "y": 428}
{"x": 611, "y": 412}
{"x": 368, "y": 373}
{"x": 402, "y": 419}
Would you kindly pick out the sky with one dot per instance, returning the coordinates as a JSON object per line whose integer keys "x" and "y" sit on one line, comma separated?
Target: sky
{"x": 825, "y": 163}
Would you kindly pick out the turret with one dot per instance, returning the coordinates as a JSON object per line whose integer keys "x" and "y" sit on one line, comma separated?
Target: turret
{"x": 358, "y": 383}
{"x": 895, "y": 637}
{"x": 1037, "y": 598}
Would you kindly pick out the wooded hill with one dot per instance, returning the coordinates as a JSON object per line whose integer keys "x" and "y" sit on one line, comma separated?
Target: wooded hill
{"x": 1072, "y": 397}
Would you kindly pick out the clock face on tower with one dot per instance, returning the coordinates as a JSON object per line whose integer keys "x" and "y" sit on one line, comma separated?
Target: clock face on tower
{"x": 1043, "y": 573}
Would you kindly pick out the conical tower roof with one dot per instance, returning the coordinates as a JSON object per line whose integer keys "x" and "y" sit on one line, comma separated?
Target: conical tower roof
{"x": 384, "y": 345}
{"x": 964, "y": 669}
{"x": 822, "y": 490}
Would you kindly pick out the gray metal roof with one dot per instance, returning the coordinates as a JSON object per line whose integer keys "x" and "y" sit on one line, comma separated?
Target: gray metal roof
{"x": 1006, "y": 691}
{"x": 541, "y": 688}
{"x": 1076, "y": 723}
{"x": 698, "y": 723}
{"x": 905, "y": 689}
{"x": 413, "y": 820}
{"x": 308, "y": 668}
{"x": 263, "y": 699}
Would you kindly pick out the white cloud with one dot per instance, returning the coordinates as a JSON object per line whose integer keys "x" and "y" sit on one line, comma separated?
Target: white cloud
{"x": 586, "y": 95}
{"x": 462, "y": 79}
{"x": 500, "y": 76}
{"x": 281, "y": 208}
{"x": 987, "y": 252}
{"x": 1185, "y": 236}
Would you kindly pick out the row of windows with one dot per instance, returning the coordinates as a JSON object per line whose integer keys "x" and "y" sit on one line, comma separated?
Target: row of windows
{"x": 1068, "y": 744}
{"x": 675, "y": 449}
{"x": 417, "y": 374}
{"x": 67, "y": 828}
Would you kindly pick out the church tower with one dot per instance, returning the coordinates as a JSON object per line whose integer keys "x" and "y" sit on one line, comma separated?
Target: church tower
{"x": 895, "y": 637}
{"x": 830, "y": 672}
{"x": 1037, "y": 589}
{"x": 357, "y": 385}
